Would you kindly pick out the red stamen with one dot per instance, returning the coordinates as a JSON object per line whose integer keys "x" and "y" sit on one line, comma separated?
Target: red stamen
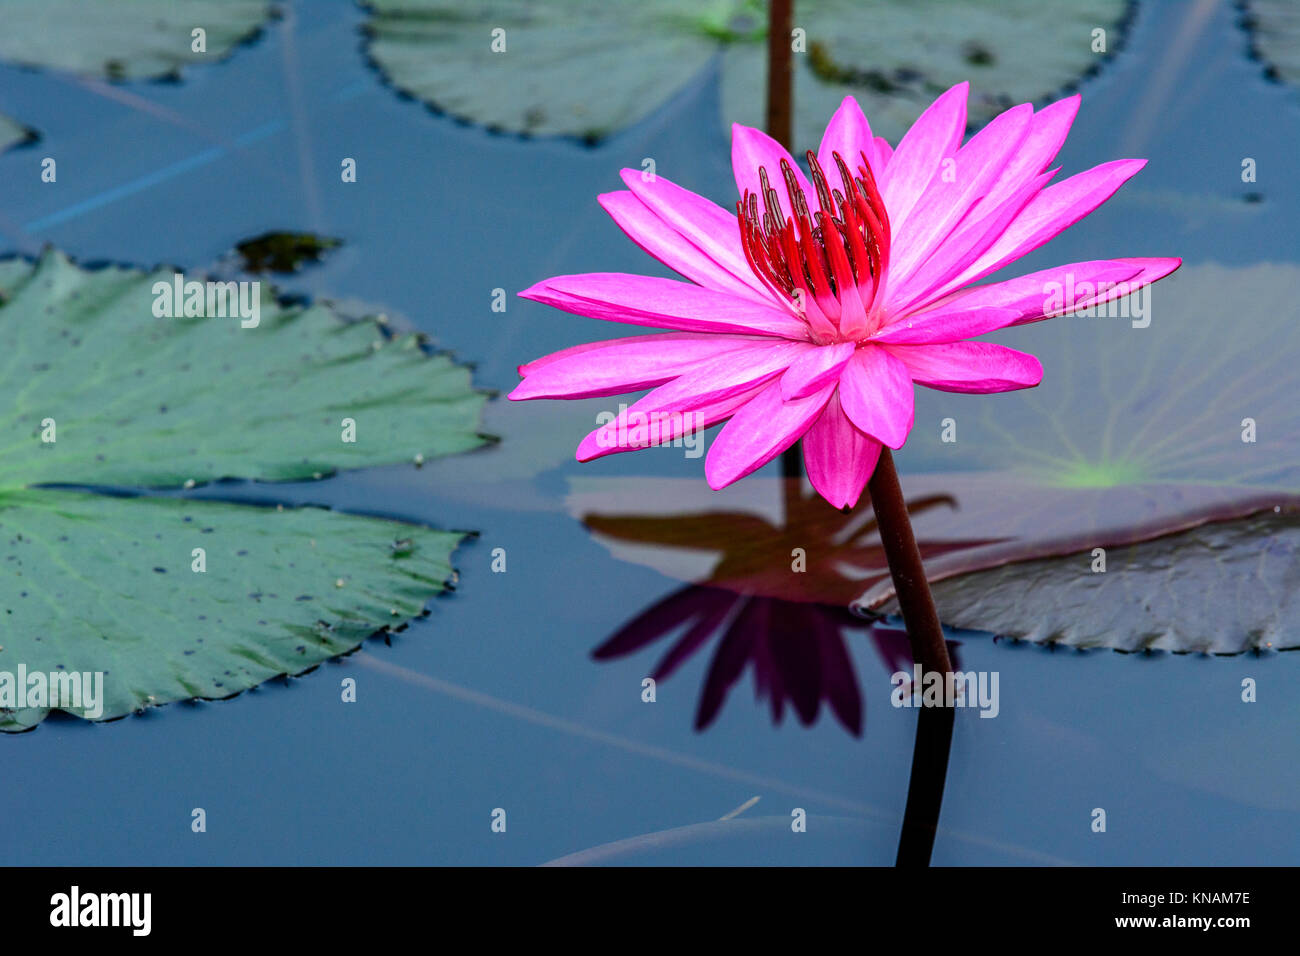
{"x": 841, "y": 249}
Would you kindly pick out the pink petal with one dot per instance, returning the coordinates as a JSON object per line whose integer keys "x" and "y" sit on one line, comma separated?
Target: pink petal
{"x": 1050, "y": 292}
{"x": 969, "y": 366}
{"x": 876, "y": 393}
{"x": 705, "y": 224}
{"x": 622, "y": 365}
{"x": 815, "y": 368}
{"x": 1050, "y": 213}
{"x": 1047, "y": 132}
{"x": 659, "y": 427}
{"x": 945, "y": 324}
{"x": 1020, "y": 180}
{"x": 976, "y": 169}
{"x": 839, "y": 457}
{"x": 884, "y": 152}
{"x": 714, "y": 387}
{"x": 848, "y": 133}
{"x": 936, "y": 133}
{"x": 663, "y": 303}
{"x": 752, "y": 148}
{"x": 759, "y": 431}
{"x": 969, "y": 241}
{"x": 670, "y": 247}
{"x": 1028, "y": 298}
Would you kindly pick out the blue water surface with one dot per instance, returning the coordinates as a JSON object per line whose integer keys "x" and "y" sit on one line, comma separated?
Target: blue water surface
{"x": 493, "y": 700}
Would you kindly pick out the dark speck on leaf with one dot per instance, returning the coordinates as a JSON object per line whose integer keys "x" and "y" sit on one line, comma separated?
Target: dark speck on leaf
{"x": 977, "y": 54}
{"x": 161, "y": 570}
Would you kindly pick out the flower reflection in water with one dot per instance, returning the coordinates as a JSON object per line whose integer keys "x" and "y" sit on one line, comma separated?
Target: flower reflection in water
{"x": 777, "y": 599}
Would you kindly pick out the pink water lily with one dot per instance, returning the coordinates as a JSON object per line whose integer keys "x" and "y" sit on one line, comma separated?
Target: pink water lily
{"x": 813, "y": 308}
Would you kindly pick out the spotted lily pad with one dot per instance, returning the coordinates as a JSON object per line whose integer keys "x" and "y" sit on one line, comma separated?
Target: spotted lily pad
{"x": 588, "y": 68}
{"x": 171, "y": 598}
{"x": 126, "y": 39}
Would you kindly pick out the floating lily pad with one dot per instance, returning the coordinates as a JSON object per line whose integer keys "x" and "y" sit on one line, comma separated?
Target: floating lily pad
{"x": 126, "y": 39}
{"x": 588, "y": 68}
{"x": 283, "y": 252}
{"x": 1219, "y": 588}
{"x": 1198, "y": 389}
{"x": 96, "y": 583}
{"x": 1274, "y": 27}
{"x": 104, "y": 392}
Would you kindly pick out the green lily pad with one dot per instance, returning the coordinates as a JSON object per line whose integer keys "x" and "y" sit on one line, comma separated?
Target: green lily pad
{"x": 96, "y": 583}
{"x": 126, "y": 39}
{"x": 589, "y": 68}
{"x": 1274, "y": 27}
{"x": 156, "y": 402}
{"x": 101, "y": 391}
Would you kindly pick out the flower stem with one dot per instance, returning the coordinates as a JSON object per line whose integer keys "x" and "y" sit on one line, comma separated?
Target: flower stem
{"x": 929, "y": 649}
{"x": 915, "y": 602}
{"x": 780, "y": 21}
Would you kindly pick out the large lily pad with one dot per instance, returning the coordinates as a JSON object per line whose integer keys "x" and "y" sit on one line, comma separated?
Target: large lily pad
{"x": 588, "y": 68}
{"x": 125, "y": 39}
{"x": 96, "y": 583}
{"x": 110, "y": 583}
{"x": 139, "y": 400}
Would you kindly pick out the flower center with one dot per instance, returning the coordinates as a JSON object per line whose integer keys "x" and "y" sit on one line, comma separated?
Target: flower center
{"x": 829, "y": 263}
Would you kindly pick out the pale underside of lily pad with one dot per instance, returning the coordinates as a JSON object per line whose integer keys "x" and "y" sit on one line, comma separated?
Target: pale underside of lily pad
{"x": 589, "y": 68}
{"x": 171, "y": 598}
{"x": 1220, "y": 588}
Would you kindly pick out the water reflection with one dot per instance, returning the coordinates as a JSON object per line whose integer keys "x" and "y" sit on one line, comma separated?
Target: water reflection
{"x": 776, "y": 599}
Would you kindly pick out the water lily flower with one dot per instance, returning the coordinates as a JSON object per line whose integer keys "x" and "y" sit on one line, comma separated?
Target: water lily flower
{"x": 812, "y": 310}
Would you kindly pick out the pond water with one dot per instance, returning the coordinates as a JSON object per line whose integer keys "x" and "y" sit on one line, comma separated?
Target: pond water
{"x": 494, "y": 700}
